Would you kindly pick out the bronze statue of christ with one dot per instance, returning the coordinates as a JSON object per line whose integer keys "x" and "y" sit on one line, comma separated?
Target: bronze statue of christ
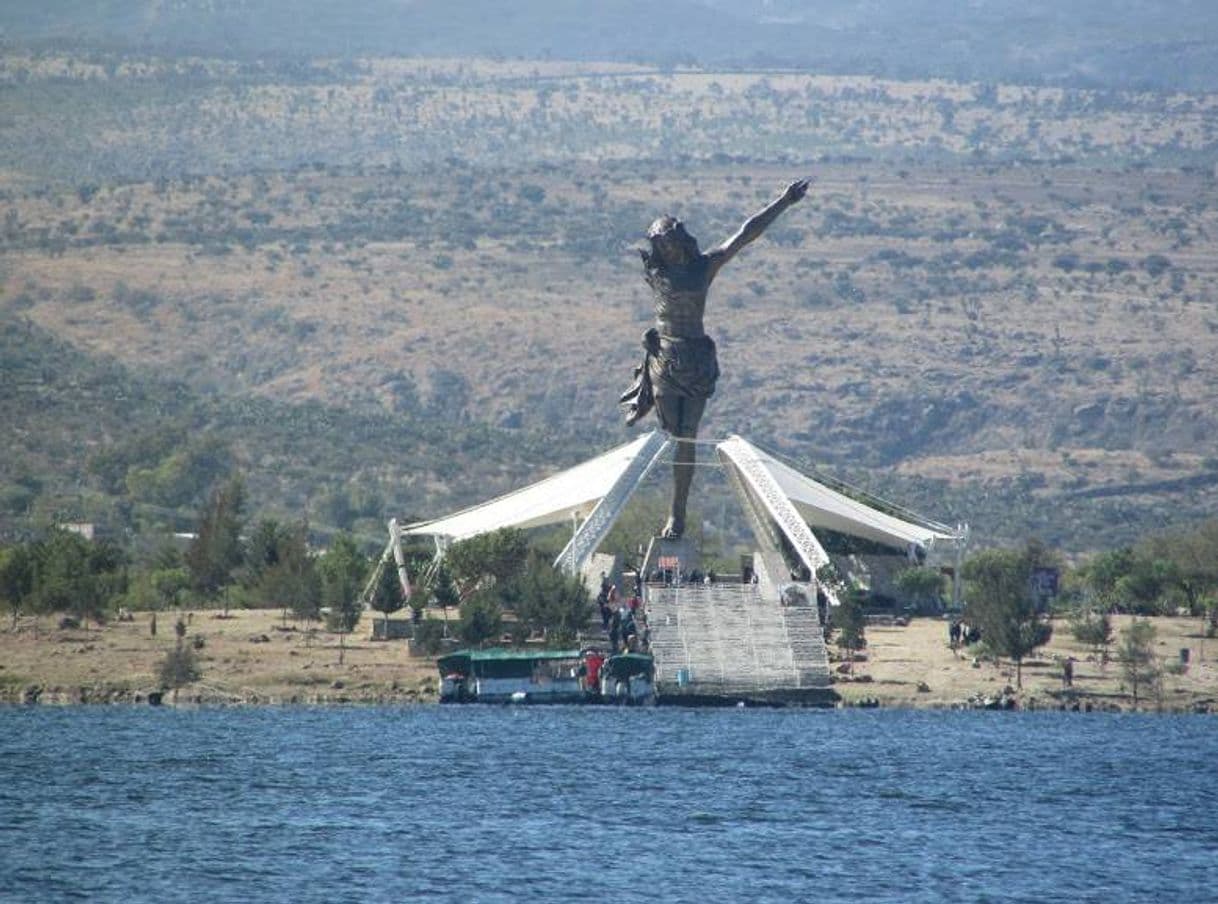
{"x": 679, "y": 367}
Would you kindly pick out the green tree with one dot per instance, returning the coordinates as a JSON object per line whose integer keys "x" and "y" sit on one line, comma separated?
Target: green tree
{"x": 851, "y": 624}
{"x": 1104, "y": 571}
{"x": 157, "y": 589}
{"x": 1191, "y": 557}
{"x": 387, "y": 592}
{"x": 169, "y": 585}
{"x": 262, "y": 549}
{"x": 1136, "y": 654}
{"x": 108, "y": 563}
{"x": 923, "y": 587}
{"x": 547, "y": 601}
{"x": 342, "y": 571}
{"x": 62, "y": 577}
{"x": 1140, "y": 579}
{"x": 1001, "y": 603}
{"x": 421, "y": 573}
{"x": 1144, "y": 587}
{"x": 481, "y": 618}
{"x": 1159, "y": 574}
{"x": 183, "y": 475}
{"x": 216, "y": 552}
{"x": 292, "y": 582}
{"x": 71, "y": 574}
{"x": 180, "y": 666}
{"x": 443, "y": 589}
{"x": 16, "y": 578}
{"x": 1211, "y": 616}
{"x": 167, "y": 556}
{"x": 487, "y": 558}
{"x": 1093, "y": 629}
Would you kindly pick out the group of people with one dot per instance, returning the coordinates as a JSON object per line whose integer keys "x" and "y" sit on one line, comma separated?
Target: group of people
{"x": 668, "y": 577}
{"x": 961, "y": 633}
{"x": 624, "y": 620}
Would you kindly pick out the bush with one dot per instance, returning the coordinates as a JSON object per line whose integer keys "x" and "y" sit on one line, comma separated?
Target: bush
{"x": 1156, "y": 265}
{"x": 1092, "y": 628}
{"x": 179, "y": 667}
{"x": 1137, "y": 657}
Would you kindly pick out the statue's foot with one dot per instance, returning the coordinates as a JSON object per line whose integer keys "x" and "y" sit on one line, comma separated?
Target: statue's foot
{"x": 673, "y": 529}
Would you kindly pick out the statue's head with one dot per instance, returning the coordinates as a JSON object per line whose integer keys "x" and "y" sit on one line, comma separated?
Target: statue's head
{"x": 670, "y": 242}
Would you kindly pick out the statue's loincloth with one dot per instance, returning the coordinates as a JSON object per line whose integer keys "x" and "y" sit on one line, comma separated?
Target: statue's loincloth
{"x": 671, "y": 366}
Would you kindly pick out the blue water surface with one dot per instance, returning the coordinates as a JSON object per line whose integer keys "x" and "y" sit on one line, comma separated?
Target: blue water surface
{"x": 602, "y": 804}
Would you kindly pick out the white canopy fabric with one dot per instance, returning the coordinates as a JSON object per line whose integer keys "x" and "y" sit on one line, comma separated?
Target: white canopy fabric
{"x": 829, "y": 509}
{"x": 551, "y": 501}
{"x": 578, "y": 491}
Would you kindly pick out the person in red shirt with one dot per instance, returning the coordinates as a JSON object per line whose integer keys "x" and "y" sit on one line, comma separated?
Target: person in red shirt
{"x": 592, "y": 677}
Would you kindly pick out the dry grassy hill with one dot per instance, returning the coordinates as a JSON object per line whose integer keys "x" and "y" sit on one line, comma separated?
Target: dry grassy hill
{"x": 997, "y": 303}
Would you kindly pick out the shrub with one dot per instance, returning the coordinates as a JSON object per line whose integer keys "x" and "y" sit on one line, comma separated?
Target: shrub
{"x": 178, "y": 668}
{"x": 1156, "y": 265}
{"x": 1092, "y": 628}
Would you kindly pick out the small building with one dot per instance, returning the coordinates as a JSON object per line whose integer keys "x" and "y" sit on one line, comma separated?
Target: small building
{"x": 86, "y": 529}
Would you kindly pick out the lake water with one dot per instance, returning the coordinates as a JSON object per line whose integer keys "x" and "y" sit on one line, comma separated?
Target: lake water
{"x": 602, "y": 804}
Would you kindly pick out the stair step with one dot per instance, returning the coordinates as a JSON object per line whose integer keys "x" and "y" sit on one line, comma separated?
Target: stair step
{"x": 730, "y": 636}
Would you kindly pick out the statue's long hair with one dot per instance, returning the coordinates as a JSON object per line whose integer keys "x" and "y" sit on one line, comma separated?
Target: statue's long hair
{"x": 655, "y": 270}
{"x": 654, "y": 266}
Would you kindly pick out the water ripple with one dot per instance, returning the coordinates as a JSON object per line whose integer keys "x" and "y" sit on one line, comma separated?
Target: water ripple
{"x": 552, "y": 804}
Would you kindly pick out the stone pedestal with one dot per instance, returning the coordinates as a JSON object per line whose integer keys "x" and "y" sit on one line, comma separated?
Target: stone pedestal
{"x": 675, "y": 555}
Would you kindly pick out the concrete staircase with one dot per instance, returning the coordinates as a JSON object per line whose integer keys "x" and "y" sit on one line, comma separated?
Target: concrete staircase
{"x": 733, "y": 639}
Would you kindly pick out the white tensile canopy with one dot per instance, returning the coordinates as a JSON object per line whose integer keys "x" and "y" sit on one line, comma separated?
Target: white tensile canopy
{"x": 554, "y": 500}
{"x": 595, "y": 492}
{"x": 823, "y": 507}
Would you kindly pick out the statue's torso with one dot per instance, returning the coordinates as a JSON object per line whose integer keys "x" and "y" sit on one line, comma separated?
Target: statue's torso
{"x": 680, "y": 298}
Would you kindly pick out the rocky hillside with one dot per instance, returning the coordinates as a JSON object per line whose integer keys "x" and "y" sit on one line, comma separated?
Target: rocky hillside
{"x": 997, "y": 303}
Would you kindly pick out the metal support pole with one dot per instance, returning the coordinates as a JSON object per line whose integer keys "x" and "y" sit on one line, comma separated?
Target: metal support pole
{"x": 570, "y": 561}
{"x": 961, "y": 541}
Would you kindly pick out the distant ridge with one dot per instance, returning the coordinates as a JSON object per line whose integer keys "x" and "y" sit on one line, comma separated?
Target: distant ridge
{"x": 1132, "y": 44}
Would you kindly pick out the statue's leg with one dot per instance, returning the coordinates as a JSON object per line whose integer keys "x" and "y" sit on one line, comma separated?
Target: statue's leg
{"x": 681, "y": 416}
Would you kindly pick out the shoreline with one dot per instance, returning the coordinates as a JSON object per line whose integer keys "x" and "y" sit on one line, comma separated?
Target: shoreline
{"x": 103, "y": 697}
{"x": 117, "y": 695}
{"x": 255, "y": 658}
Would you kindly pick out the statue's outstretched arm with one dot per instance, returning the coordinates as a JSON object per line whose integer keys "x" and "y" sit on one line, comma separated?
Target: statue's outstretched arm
{"x": 755, "y": 225}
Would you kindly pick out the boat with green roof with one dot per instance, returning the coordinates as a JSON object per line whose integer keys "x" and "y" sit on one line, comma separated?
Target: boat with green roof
{"x": 499, "y": 675}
